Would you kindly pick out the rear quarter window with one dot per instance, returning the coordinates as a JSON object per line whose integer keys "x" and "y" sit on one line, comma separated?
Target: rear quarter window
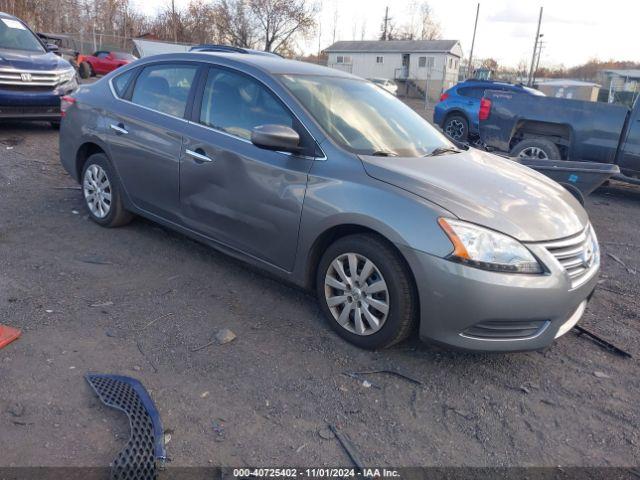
{"x": 471, "y": 92}
{"x": 121, "y": 82}
{"x": 164, "y": 88}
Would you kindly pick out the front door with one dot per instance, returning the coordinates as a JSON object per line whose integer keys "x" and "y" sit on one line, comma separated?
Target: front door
{"x": 630, "y": 157}
{"x": 243, "y": 196}
{"x": 145, "y": 136}
{"x": 406, "y": 61}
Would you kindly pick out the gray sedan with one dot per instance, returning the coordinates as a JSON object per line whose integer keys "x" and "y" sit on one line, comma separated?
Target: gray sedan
{"x": 333, "y": 184}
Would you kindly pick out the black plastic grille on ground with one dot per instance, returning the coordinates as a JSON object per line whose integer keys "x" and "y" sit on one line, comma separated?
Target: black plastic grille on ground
{"x": 137, "y": 460}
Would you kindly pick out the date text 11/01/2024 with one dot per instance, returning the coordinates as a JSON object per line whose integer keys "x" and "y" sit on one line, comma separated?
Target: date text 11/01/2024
{"x": 314, "y": 473}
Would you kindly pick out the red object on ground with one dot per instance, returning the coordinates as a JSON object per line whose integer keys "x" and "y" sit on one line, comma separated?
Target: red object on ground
{"x": 8, "y": 335}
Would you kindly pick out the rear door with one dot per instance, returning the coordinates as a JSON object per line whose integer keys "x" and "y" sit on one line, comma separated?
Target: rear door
{"x": 469, "y": 102}
{"x": 630, "y": 158}
{"x": 145, "y": 134}
{"x": 243, "y": 196}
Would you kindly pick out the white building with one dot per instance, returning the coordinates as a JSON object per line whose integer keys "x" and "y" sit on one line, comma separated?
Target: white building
{"x": 417, "y": 62}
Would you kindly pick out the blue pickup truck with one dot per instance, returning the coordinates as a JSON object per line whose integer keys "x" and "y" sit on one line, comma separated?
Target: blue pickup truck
{"x": 562, "y": 129}
{"x": 32, "y": 76}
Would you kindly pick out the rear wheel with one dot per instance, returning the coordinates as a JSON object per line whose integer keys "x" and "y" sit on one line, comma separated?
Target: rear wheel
{"x": 84, "y": 70}
{"x": 102, "y": 193}
{"x": 457, "y": 127}
{"x": 536, "y": 149}
{"x": 366, "y": 292}
{"x": 55, "y": 124}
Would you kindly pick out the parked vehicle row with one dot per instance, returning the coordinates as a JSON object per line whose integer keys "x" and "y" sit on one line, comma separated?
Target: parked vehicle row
{"x": 458, "y": 109}
{"x": 558, "y": 128}
{"x": 330, "y": 183}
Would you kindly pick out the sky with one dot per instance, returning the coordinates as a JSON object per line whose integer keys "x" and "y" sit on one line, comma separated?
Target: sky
{"x": 574, "y": 30}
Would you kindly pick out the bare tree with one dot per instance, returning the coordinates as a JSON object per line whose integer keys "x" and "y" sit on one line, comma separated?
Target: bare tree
{"x": 279, "y": 20}
{"x": 234, "y": 24}
{"x": 429, "y": 27}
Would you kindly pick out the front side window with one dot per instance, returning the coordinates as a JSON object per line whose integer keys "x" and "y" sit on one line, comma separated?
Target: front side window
{"x": 164, "y": 88}
{"x": 236, "y": 104}
{"x": 363, "y": 118}
{"x": 15, "y": 36}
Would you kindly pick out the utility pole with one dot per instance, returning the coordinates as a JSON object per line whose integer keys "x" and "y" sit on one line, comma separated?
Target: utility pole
{"x": 535, "y": 49}
{"x": 385, "y": 34}
{"x": 335, "y": 23}
{"x": 173, "y": 21}
{"x": 473, "y": 42}
{"x": 540, "y": 47}
{"x": 319, "y": 33}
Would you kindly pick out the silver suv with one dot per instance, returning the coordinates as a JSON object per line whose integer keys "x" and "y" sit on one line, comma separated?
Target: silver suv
{"x": 331, "y": 183}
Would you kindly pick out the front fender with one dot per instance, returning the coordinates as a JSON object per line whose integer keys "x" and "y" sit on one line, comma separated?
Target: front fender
{"x": 406, "y": 220}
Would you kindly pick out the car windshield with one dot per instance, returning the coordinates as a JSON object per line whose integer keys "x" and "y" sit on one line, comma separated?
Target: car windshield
{"x": 363, "y": 118}
{"x": 123, "y": 56}
{"x": 15, "y": 36}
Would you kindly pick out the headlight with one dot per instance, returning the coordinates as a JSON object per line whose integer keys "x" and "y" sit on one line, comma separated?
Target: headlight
{"x": 67, "y": 75}
{"x": 483, "y": 248}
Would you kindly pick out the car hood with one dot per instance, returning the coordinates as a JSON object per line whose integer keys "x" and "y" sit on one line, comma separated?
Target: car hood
{"x": 487, "y": 190}
{"x": 25, "y": 60}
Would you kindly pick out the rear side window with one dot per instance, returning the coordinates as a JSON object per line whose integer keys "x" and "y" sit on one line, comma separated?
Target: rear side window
{"x": 235, "y": 104}
{"x": 165, "y": 88}
{"x": 471, "y": 92}
{"x": 121, "y": 82}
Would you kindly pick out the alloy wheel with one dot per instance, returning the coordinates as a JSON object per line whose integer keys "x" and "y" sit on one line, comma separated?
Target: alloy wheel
{"x": 533, "y": 152}
{"x": 455, "y": 129}
{"x": 97, "y": 191}
{"x": 356, "y": 294}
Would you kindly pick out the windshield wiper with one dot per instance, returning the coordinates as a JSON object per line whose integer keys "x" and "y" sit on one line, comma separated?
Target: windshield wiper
{"x": 384, "y": 153}
{"x": 442, "y": 151}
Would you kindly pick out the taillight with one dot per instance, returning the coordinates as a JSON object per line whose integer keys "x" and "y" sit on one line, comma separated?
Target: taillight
{"x": 444, "y": 96}
{"x": 65, "y": 104}
{"x": 485, "y": 109}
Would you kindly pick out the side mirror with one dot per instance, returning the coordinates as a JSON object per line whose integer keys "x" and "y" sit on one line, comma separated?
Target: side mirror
{"x": 52, "y": 47}
{"x": 276, "y": 137}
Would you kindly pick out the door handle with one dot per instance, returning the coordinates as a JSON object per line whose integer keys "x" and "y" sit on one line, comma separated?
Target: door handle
{"x": 119, "y": 129}
{"x": 199, "y": 155}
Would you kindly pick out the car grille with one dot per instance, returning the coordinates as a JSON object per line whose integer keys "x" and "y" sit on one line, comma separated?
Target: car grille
{"x": 26, "y": 111}
{"x": 29, "y": 78}
{"x": 578, "y": 255}
{"x": 506, "y": 329}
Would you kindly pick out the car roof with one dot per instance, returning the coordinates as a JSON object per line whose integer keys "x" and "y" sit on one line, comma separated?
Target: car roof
{"x": 268, "y": 63}
{"x": 6, "y": 15}
{"x": 478, "y": 81}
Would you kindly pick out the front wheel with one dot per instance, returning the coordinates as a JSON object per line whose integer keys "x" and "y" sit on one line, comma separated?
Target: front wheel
{"x": 102, "y": 194}
{"x": 366, "y": 292}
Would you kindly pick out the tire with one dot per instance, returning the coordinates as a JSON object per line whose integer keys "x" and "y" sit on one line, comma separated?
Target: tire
{"x": 400, "y": 294}
{"x": 84, "y": 70}
{"x": 96, "y": 169}
{"x": 456, "y": 126}
{"x": 55, "y": 124}
{"x": 536, "y": 148}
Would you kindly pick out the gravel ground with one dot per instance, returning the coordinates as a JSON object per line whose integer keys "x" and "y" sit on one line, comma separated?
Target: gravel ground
{"x": 138, "y": 300}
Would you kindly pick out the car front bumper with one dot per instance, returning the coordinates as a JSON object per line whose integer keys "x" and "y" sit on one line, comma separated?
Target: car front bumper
{"x": 22, "y": 104}
{"x": 473, "y": 309}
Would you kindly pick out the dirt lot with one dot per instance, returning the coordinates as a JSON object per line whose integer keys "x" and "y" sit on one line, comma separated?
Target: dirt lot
{"x": 138, "y": 300}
